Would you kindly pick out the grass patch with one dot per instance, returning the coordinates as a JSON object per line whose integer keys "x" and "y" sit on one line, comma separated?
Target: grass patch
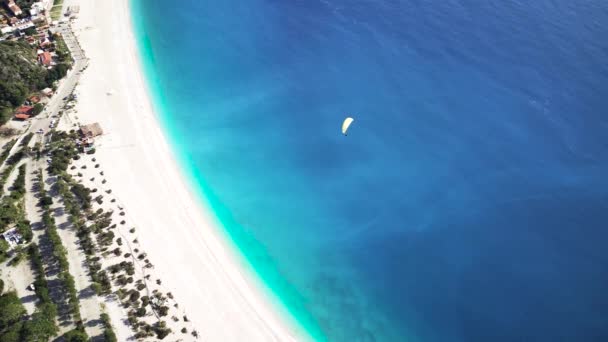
{"x": 56, "y": 10}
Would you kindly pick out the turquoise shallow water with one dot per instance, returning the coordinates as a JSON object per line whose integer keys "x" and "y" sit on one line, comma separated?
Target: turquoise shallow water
{"x": 469, "y": 201}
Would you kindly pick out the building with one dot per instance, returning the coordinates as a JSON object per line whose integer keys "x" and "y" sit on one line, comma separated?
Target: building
{"x": 12, "y": 236}
{"x": 45, "y": 43}
{"x": 45, "y": 58}
{"x": 21, "y": 117}
{"x": 24, "y": 25}
{"x": 41, "y": 7}
{"x": 14, "y": 8}
{"x": 73, "y": 11}
{"x": 91, "y": 130}
{"x": 7, "y": 29}
{"x": 28, "y": 110}
{"x": 47, "y": 92}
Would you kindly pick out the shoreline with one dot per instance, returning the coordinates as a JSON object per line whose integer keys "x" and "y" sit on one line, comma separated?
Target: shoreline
{"x": 207, "y": 276}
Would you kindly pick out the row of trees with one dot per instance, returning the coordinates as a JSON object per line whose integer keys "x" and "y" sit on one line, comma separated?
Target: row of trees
{"x": 75, "y": 196}
{"x": 15, "y": 324}
{"x": 14, "y": 159}
{"x": 60, "y": 254}
{"x": 11, "y": 207}
{"x": 6, "y": 150}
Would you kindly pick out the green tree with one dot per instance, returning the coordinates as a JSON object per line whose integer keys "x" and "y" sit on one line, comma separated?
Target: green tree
{"x": 11, "y": 310}
{"x": 4, "y": 247}
{"x": 12, "y": 333}
{"x": 76, "y": 336}
{"x": 38, "y": 107}
{"x": 42, "y": 325}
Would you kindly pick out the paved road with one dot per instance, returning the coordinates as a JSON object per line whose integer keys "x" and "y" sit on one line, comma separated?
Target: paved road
{"x": 67, "y": 84}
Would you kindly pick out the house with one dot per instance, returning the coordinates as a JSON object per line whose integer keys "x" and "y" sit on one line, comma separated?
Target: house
{"x": 45, "y": 58}
{"x": 91, "y": 130}
{"x": 21, "y": 117}
{"x": 24, "y": 25}
{"x": 38, "y": 19}
{"x": 12, "y": 236}
{"x": 14, "y": 8}
{"x": 28, "y": 110}
{"x": 37, "y": 8}
{"x": 7, "y": 29}
{"x": 45, "y": 43}
{"x": 73, "y": 11}
{"x": 47, "y": 92}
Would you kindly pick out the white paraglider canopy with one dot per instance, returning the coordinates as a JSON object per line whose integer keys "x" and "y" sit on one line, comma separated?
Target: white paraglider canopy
{"x": 346, "y": 124}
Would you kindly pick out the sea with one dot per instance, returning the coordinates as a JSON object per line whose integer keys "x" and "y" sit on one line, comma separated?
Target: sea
{"x": 469, "y": 200}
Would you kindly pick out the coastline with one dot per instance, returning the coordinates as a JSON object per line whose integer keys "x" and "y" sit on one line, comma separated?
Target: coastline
{"x": 214, "y": 285}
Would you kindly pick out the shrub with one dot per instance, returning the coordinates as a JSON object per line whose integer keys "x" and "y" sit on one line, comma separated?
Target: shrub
{"x": 163, "y": 310}
{"x": 96, "y": 287}
{"x": 141, "y": 312}
{"x": 161, "y": 330}
{"x": 76, "y": 336}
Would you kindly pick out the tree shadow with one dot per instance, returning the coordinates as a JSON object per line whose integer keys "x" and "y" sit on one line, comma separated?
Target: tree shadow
{"x": 36, "y": 225}
{"x": 28, "y": 299}
{"x": 93, "y": 322}
{"x": 86, "y": 293}
{"x": 59, "y": 211}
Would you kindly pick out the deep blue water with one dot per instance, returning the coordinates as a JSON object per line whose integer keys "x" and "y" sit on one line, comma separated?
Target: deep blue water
{"x": 469, "y": 201}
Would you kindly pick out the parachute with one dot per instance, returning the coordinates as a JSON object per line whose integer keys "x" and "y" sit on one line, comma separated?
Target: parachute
{"x": 346, "y": 124}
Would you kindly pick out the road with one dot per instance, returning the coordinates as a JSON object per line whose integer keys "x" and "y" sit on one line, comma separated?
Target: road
{"x": 67, "y": 84}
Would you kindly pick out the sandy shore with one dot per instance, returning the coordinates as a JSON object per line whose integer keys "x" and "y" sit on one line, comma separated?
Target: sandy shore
{"x": 192, "y": 257}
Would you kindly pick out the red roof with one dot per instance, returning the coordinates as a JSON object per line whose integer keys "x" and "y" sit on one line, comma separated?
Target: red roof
{"x": 45, "y": 58}
{"x": 22, "y": 116}
{"x": 14, "y": 8}
{"x": 24, "y": 110}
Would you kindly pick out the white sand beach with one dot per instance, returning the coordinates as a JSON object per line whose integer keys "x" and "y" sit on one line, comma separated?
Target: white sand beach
{"x": 190, "y": 255}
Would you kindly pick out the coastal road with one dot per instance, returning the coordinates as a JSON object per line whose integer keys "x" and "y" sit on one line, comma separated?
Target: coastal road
{"x": 66, "y": 85}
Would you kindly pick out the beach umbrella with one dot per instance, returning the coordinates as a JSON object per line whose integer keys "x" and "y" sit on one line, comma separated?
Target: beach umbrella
{"x": 347, "y": 122}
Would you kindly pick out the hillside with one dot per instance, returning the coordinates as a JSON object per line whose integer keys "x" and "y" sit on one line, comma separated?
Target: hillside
{"x": 20, "y": 75}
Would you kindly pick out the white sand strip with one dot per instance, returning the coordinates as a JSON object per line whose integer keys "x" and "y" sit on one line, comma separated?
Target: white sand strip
{"x": 194, "y": 260}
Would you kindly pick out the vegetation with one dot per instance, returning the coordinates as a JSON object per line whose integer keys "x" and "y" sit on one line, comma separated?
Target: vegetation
{"x": 40, "y": 283}
{"x": 38, "y": 107}
{"x": 25, "y": 4}
{"x": 18, "y": 188}
{"x": 16, "y": 326}
{"x": 61, "y": 255}
{"x": 56, "y": 10}
{"x": 21, "y": 75}
{"x": 108, "y": 333}
{"x": 6, "y": 149}
{"x": 14, "y": 159}
{"x": 76, "y": 335}
{"x": 4, "y": 247}
{"x": 11, "y": 310}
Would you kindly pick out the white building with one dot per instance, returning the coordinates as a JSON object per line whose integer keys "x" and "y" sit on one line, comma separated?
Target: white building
{"x": 12, "y": 236}
{"x": 7, "y": 29}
